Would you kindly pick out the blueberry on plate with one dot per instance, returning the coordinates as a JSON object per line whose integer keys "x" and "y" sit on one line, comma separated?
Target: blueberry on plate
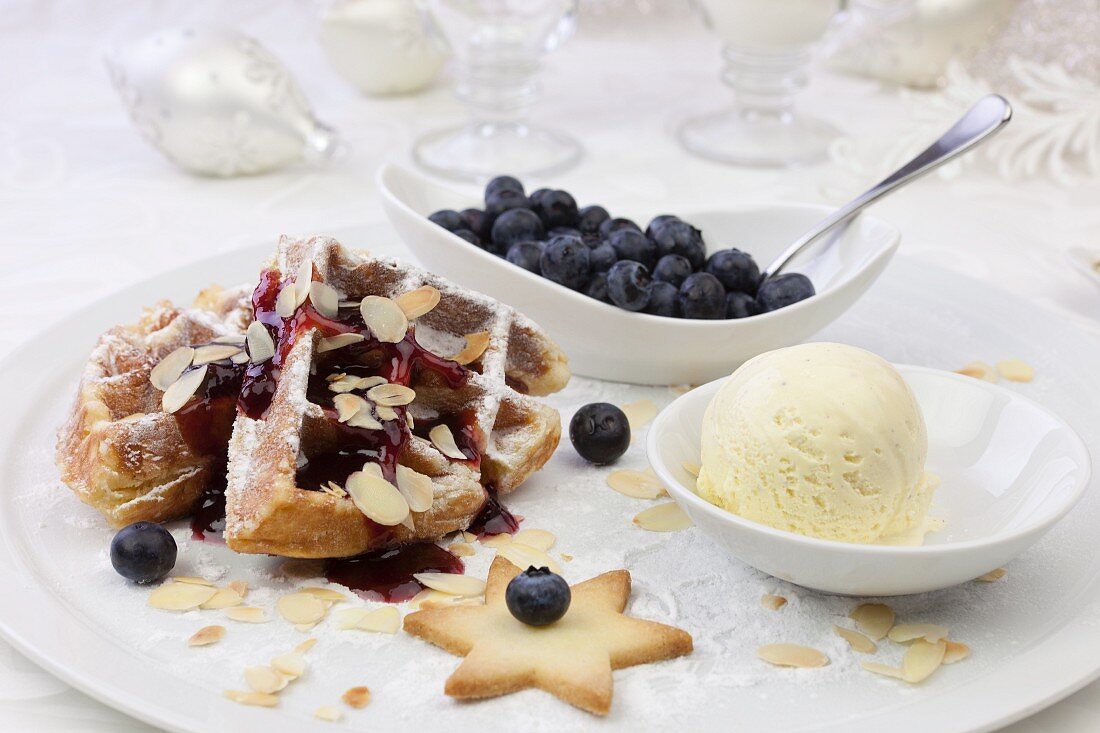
{"x": 516, "y": 225}
{"x": 629, "y": 285}
{"x": 478, "y": 222}
{"x": 736, "y": 270}
{"x": 556, "y": 209}
{"x": 741, "y": 305}
{"x": 565, "y": 261}
{"x": 448, "y": 219}
{"x": 602, "y": 256}
{"x": 702, "y": 296}
{"x": 633, "y": 245}
{"x": 783, "y": 290}
{"x": 505, "y": 200}
{"x": 526, "y": 255}
{"x": 143, "y": 552}
{"x": 681, "y": 238}
{"x": 657, "y": 222}
{"x": 672, "y": 269}
{"x": 538, "y": 597}
{"x": 468, "y": 236}
{"x": 613, "y": 225}
{"x": 599, "y": 432}
{"x": 590, "y": 217}
{"x": 501, "y": 183}
{"x": 597, "y": 287}
{"x": 664, "y": 300}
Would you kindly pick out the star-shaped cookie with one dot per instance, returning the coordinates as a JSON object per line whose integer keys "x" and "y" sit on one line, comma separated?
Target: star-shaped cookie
{"x": 571, "y": 658}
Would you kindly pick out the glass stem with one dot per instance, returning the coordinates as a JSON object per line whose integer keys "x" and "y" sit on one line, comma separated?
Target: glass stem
{"x": 497, "y": 92}
{"x": 764, "y": 85}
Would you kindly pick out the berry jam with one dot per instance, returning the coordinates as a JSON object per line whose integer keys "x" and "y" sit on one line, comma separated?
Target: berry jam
{"x": 208, "y": 515}
{"x": 207, "y": 422}
{"x": 388, "y": 575}
{"x": 494, "y": 518}
{"x": 356, "y": 446}
{"x": 468, "y": 437}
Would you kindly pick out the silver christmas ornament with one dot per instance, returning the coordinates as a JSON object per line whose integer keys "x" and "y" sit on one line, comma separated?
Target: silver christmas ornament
{"x": 217, "y": 103}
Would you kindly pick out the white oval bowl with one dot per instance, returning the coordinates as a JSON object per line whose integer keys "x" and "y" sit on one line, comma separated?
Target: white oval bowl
{"x": 1009, "y": 470}
{"x": 606, "y": 342}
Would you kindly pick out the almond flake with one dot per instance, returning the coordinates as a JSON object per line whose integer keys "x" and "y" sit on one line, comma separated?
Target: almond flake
{"x": 391, "y": 395}
{"x": 305, "y": 628}
{"x": 260, "y": 346}
{"x": 284, "y": 303}
{"x": 417, "y": 488}
{"x": 476, "y": 344}
{"x": 955, "y": 652}
{"x": 265, "y": 679}
{"x": 856, "y": 640}
{"x": 469, "y": 536}
{"x": 246, "y": 614}
{"x": 416, "y": 303}
{"x": 305, "y": 646}
{"x": 378, "y": 499}
{"x": 180, "y": 596}
{"x": 241, "y": 357}
{"x": 978, "y": 370}
{"x": 567, "y": 558}
{"x": 903, "y": 633}
{"x": 496, "y": 541}
{"x": 772, "y": 602}
{"x": 302, "y": 608}
{"x": 328, "y": 713}
{"x": 171, "y": 368}
{"x": 873, "y": 619}
{"x": 343, "y": 385}
{"x": 237, "y": 339}
{"x": 325, "y": 594}
{"x": 339, "y": 341}
{"x": 214, "y": 352}
{"x": 191, "y": 579}
{"x": 223, "y": 598}
{"x": 792, "y": 655}
{"x": 667, "y": 517}
{"x": 922, "y": 659}
{"x": 524, "y": 557}
{"x": 363, "y": 419}
{"x": 540, "y": 539}
{"x": 1016, "y": 370}
{"x": 206, "y": 635}
{"x": 428, "y": 599}
{"x": 384, "y": 319}
{"x": 239, "y": 586}
{"x": 325, "y": 300}
{"x": 444, "y": 441}
{"x": 453, "y": 583}
{"x": 252, "y": 698}
{"x": 692, "y": 468}
{"x": 348, "y": 406}
{"x": 303, "y": 281}
{"x": 292, "y": 664}
{"x": 356, "y": 697}
{"x": 883, "y": 669}
{"x": 385, "y": 413}
{"x": 383, "y": 620}
{"x": 462, "y": 549}
{"x": 992, "y": 576}
{"x": 636, "y": 484}
{"x": 181, "y": 391}
{"x": 639, "y": 413}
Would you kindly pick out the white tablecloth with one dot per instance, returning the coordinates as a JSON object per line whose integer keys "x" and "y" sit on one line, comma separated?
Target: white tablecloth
{"x": 86, "y": 206}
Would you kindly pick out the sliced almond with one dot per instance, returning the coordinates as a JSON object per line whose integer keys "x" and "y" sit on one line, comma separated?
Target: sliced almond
{"x": 181, "y": 391}
{"x": 417, "y": 488}
{"x": 348, "y": 406}
{"x": 363, "y": 419}
{"x": 180, "y": 596}
{"x": 692, "y": 468}
{"x": 384, "y": 319}
{"x": 922, "y": 659}
{"x": 223, "y": 598}
{"x": 992, "y": 576}
{"x": 171, "y": 368}
{"x": 292, "y": 664}
{"x": 207, "y": 635}
{"x": 324, "y": 299}
{"x": 246, "y": 614}
{"x": 792, "y": 655}
{"x": 328, "y": 713}
{"x": 230, "y": 338}
{"x": 859, "y": 642}
{"x": 525, "y": 557}
{"x": 356, "y": 697}
{"x": 265, "y": 679}
{"x": 303, "y": 281}
{"x": 325, "y": 594}
{"x": 883, "y": 669}
{"x": 239, "y": 586}
{"x": 1016, "y": 370}
{"x": 873, "y": 619}
{"x": 772, "y": 602}
{"x": 469, "y": 536}
{"x": 955, "y": 651}
{"x": 241, "y": 357}
{"x": 191, "y": 579}
{"x": 444, "y": 441}
{"x": 260, "y": 345}
{"x": 540, "y": 539}
{"x": 476, "y": 344}
{"x": 250, "y": 697}
{"x": 566, "y": 558}
{"x": 462, "y": 549}
{"x": 285, "y": 304}
{"x": 344, "y": 384}
{"x": 305, "y": 646}
{"x": 214, "y": 352}
{"x": 339, "y": 341}
{"x": 978, "y": 370}
{"x": 416, "y": 303}
{"x": 496, "y": 541}
{"x": 667, "y": 517}
{"x": 391, "y": 395}
{"x": 302, "y": 608}
{"x": 639, "y": 413}
{"x": 903, "y": 633}
{"x": 385, "y": 413}
{"x": 378, "y": 499}
{"x": 452, "y": 583}
{"x": 636, "y": 484}
{"x": 383, "y": 620}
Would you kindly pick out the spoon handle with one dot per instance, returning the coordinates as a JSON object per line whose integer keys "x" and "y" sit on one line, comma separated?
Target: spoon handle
{"x": 989, "y": 115}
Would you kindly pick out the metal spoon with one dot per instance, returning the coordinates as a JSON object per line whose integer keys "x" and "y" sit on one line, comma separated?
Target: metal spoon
{"x": 986, "y": 117}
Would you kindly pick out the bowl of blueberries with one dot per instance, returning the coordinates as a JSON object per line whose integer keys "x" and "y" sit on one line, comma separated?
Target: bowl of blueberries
{"x": 665, "y": 299}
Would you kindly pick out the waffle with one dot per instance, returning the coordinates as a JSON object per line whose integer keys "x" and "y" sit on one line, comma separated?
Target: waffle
{"x": 118, "y": 451}
{"x": 305, "y": 480}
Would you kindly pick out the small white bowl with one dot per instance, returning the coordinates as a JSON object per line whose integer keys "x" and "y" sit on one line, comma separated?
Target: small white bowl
{"x": 1009, "y": 469}
{"x": 605, "y": 342}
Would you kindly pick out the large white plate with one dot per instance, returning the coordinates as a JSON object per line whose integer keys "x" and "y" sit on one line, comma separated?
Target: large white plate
{"x": 1033, "y": 633}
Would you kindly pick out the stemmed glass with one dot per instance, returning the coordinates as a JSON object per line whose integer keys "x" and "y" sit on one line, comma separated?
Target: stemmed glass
{"x": 497, "y": 46}
{"x": 767, "y": 47}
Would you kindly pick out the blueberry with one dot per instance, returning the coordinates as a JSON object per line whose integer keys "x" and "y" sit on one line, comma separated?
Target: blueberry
{"x": 702, "y": 296}
{"x": 681, "y": 238}
{"x": 657, "y": 222}
{"x": 565, "y": 260}
{"x": 143, "y": 552}
{"x": 602, "y": 257}
{"x": 736, "y": 270}
{"x": 501, "y": 183}
{"x": 538, "y": 597}
{"x": 468, "y": 236}
{"x": 783, "y": 290}
{"x": 590, "y": 217}
{"x": 516, "y": 225}
{"x": 664, "y": 300}
{"x": 478, "y": 222}
{"x": 561, "y": 231}
{"x": 526, "y": 255}
{"x": 537, "y": 194}
{"x": 505, "y": 200}
{"x": 672, "y": 269}
{"x": 629, "y": 285}
{"x": 741, "y": 305}
{"x": 597, "y": 288}
{"x": 613, "y": 225}
{"x": 632, "y": 245}
{"x": 556, "y": 209}
{"x": 448, "y": 219}
{"x": 600, "y": 432}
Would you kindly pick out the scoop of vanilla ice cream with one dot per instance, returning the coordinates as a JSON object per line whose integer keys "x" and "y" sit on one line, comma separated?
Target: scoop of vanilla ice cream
{"x": 821, "y": 439}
